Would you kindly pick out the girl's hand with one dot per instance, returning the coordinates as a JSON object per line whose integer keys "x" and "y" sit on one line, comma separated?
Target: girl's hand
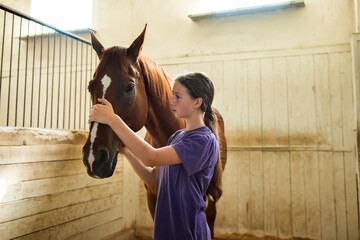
{"x": 102, "y": 113}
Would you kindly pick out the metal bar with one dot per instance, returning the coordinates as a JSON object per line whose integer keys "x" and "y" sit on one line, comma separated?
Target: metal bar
{"x": 76, "y": 65}
{"x": 13, "y": 11}
{"x": 18, "y": 73}
{"x": 47, "y": 79}
{"x": 66, "y": 39}
{"x": 26, "y": 65}
{"x": 2, "y": 54}
{"x": 71, "y": 64}
{"x": 57, "y": 117}
{"x": 10, "y": 69}
{"x": 86, "y": 77}
{"x": 81, "y": 85}
{"x": 32, "y": 81}
{"x": 39, "y": 99}
{"x": 52, "y": 85}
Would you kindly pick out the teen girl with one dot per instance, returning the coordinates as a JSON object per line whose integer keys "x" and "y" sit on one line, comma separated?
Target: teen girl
{"x": 182, "y": 170}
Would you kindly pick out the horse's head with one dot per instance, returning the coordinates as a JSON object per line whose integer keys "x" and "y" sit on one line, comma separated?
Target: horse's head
{"x": 118, "y": 79}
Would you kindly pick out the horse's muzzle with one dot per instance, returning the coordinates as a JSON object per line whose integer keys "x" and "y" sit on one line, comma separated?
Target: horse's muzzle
{"x": 103, "y": 163}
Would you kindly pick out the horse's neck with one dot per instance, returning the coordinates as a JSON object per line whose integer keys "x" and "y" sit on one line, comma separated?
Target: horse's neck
{"x": 161, "y": 122}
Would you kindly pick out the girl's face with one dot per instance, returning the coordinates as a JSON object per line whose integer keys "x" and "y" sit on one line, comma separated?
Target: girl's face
{"x": 182, "y": 103}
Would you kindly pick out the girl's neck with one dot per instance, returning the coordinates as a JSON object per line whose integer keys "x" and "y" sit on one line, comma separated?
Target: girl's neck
{"x": 195, "y": 122}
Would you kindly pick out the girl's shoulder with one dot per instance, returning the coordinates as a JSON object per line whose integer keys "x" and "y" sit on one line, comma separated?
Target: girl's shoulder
{"x": 176, "y": 135}
{"x": 196, "y": 134}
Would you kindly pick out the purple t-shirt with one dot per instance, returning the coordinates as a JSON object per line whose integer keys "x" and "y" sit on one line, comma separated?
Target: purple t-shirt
{"x": 180, "y": 207}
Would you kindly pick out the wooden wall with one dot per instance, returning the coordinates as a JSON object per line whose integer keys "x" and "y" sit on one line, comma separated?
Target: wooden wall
{"x": 290, "y": 125}
{"x": 291, "y": 170}
{"x": 45, "y": 192}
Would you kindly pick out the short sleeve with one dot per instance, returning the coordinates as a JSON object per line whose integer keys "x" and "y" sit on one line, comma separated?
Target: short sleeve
{"x": 196, "y": 152}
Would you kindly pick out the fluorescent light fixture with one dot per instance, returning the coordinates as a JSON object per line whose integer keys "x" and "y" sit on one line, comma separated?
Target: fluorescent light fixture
{"x": 224, "y": 8}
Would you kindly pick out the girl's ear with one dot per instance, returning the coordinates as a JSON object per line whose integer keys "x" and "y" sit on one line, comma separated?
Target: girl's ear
{"x": 198, "y": 102}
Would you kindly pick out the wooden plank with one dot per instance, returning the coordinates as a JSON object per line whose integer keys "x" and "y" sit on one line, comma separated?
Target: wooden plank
{"x": 283, "y": 201}
{"x": 323, "y": 115}
{"x": 10, "y": 136}
{"x": 48, "y": 186}
{"x": 255, "y": 139}
{"x": 222, "y": 209}
{"x": 39, "y": 153}
{"x": 337, "y": 140}
{"x": 283, "y": 177}
{"x": 327, "y": 198}
{"x": 243, "y": 204}
{"x": 242, "y": 101}
{"x": 351, "y": 165}
{"x": 230, "y": 104}
{"x": 312, "y": 202}
{"x": 217, "y": 76}
{"x": 242, "y": 112}
{"x": 301, "y": 115}
{"x": 268, "y": 102}
{"x": 100, "y": 232}
{"x": 324, "y": 138}
{"x": 57, "y": 217}
{"x": 256, "y": 193}
{"x": 16, "y": 173}
{"x": 268, "y": 139}
{"x": 71, "y": 228}
{"x": 302, "y": 123}
{"x": 298, "y": 198}
{"x": 32, "y": 206}
{"x": 270, "y": 194}
{"x": 129, "y": 198}
{"x": 230, "y": 193}
{"x": 142, "y": 210}
{"x": 254, "y": 88}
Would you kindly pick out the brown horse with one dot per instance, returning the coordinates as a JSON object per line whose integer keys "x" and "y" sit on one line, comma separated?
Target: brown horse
{"x": 139, "y": 91}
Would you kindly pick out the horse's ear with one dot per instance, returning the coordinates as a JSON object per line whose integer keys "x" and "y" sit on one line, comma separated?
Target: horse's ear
{"x": 134, "y": 50}
{"x": 97, "y": 46}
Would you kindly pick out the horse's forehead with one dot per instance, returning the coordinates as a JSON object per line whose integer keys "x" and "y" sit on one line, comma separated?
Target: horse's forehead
{"x": 116, "y": 60}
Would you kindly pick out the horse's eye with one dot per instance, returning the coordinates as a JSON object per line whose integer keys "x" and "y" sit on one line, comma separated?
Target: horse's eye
{"x": 129, "y": 88}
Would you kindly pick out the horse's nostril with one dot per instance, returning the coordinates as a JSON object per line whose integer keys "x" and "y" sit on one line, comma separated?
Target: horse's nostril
{"x": 103, "y": 155}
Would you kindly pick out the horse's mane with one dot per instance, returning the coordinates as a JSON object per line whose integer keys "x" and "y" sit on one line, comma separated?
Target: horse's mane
{"x": 157, "y": 81}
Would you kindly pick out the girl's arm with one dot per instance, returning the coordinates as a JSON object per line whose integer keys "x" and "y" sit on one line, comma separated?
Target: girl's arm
{"x": 148, "y": 155}
{"x": 150, "y": 175}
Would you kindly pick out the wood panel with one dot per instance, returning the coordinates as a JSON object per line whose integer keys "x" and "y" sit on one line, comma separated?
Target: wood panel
{"x": 289, "y": 120}
{"x": 45, "y": 189}
{"x": 291, "y": 170}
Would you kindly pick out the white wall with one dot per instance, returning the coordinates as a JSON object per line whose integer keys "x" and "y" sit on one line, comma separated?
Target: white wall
{"x": 171, "y": 33}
